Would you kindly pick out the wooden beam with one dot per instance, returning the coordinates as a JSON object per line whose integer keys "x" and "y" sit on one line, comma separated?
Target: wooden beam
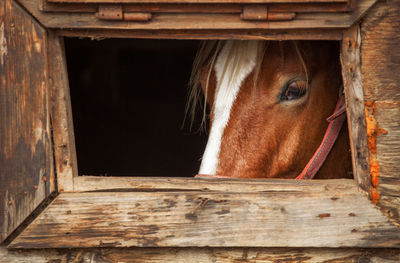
{"x": 205, "y": 34}
{"x": 201, "y": 255}
{"x": 199, "y": 21}
{"x": 26, "y": 164}
{"x": 195, "y": 1}
{"x": 333, "y": 215}
{"x": 380, "y": 69}
{"x": 61, "y": 115}
{"x": 352, "y": 80}
{"x": 99, "y": 183}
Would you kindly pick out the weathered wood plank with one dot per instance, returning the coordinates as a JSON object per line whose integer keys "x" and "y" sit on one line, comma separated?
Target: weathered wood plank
{"x": 26, "y": 173}
{"x": 205, "y": 34}
{"x": 199, "y": 21}
{"x": 196, "y": 8}
{"x": 380, "y": 31}
{"x": 98, "y": 183}
{"x": 352, "y": 80}
{"x": 331, "y": 216}
{"x": 197, "y": 1}
{"x": 61, "y": 116}
{"x": 388, "y": 157}
{"x": 201, "y": 255}
{"x": 380, "y": 68}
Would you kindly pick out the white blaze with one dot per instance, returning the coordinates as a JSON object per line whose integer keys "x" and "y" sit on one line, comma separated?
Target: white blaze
{"x": 235, "y": 62}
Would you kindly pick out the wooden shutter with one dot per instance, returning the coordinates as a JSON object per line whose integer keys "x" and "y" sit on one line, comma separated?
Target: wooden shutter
{"x": 231, "y": 14}
{"x": 26, "y": 176}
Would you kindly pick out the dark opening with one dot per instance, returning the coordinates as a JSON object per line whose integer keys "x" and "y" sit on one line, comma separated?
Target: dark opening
{"x": 128, "y": 98}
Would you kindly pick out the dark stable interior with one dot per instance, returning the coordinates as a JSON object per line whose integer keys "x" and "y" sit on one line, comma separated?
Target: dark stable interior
{"x": 128, "y": 99}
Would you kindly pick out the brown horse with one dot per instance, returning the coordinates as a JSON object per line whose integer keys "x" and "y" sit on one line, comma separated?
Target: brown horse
{"x": 269, "y": 102}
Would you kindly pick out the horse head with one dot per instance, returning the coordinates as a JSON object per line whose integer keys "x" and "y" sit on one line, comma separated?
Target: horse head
{"x": 269, "y": 102}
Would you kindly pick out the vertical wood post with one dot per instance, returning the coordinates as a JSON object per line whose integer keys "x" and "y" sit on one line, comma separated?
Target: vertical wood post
{"x": 351, "y": 72}
{"x": 61, "y": 116}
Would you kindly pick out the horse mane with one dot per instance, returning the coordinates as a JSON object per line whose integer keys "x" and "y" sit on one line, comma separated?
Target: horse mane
{"x": 207, "y": 53}
{"x": 206, "y": 57}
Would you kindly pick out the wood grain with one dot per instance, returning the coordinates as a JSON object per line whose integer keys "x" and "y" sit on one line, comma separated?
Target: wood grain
{"x": 388, "y": 156}
{"x": 26, "y": 172}
{"x": 196, "y": 8}
{"x": 381, "y": 82}
{"x": 205, "y": 34}
{"x": 196, "y": 1}
{"x": 98, "y": 183}
{"x": 199, "y": 21}
{"x": 61, "y": 116}
{"x": 201, "y": 255}
{"x": 331, "y": 216}
{"x": 352, "y": 80}
{"x": 380, "y": 53}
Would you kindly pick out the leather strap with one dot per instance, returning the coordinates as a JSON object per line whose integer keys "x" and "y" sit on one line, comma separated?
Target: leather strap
{"x": 336, "y": 121}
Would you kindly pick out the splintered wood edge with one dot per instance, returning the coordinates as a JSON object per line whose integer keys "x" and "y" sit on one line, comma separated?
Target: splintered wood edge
{"x": 333, "y": 214}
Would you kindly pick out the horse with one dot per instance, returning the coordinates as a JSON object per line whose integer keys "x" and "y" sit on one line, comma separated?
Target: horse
{"x": 269, "y": 102}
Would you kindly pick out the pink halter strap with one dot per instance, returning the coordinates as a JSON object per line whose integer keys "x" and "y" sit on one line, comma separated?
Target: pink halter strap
{"x": 336, "y": 121}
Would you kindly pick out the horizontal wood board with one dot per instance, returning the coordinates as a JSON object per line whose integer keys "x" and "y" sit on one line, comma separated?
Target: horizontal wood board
{"x": 332, "y": 215}
{"x": 26, "y": 171}
{"x": 201, "y": 255}
{"x": 204, "y": 34}
{"x": 197, "y": 1}
{"x": 138, "y": 184}
{"x": 198, "y": 21}
{"x": 197, "y": 8}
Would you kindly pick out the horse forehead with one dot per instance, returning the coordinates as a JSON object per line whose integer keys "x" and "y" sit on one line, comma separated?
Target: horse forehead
{"x": 235, "y": 62}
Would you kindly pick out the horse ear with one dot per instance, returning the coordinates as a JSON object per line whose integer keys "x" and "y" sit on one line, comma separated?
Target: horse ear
{"x": 208, "y": 82}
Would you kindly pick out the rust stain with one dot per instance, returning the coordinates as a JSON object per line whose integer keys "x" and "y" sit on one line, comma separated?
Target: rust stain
{"x": 352, "y": 214}
{"x": 324, "y": 215}
{"x": 374, "y": 195}
{"x": 374, "y": 171}
{"x": 3, "y": 44}
{"x": 373, "y": 131}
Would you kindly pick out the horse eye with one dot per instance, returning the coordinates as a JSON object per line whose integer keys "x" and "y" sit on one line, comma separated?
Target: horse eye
{"x": 294, "y": 90}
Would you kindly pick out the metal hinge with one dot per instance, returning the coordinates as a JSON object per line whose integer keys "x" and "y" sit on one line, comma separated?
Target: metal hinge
{"x": 116, "y": 12}
{"x": 260, "y": 13}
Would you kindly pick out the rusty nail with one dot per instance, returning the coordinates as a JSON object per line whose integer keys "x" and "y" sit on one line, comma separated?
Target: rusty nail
{"x": 44, "y": 178}
{"x": 25, "y": 192}
{"x": 35, "y": 186}
{"x": 10, "y": 202}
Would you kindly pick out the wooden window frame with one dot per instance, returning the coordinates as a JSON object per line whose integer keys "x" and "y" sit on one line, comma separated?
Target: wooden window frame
{"x": 187, "y": 212}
